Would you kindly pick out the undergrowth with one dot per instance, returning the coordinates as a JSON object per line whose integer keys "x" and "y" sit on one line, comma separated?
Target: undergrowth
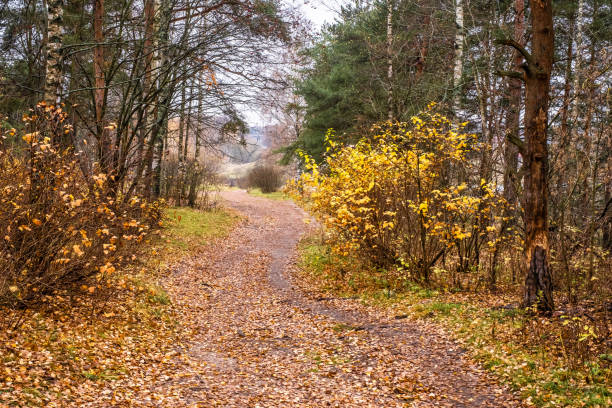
{"x": 60, "y": 354}
{"x": 550, "y": 362}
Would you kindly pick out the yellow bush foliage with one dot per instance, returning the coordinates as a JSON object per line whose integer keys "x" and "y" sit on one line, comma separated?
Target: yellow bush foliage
{"x": 60, "y": 230}
{"x": 407, "y": 196}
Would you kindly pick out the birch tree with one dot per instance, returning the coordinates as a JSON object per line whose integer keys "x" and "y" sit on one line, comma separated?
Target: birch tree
{"x": 53, "y": 63}
{"x": 458, "y": 66}
{"x": 390, "y": 59}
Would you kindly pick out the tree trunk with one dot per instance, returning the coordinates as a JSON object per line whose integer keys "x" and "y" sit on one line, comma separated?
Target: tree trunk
{"x": 166, "y": 85}
{"x": 607, "y": 204}
{"x": 538, "y": 282}
{"x": 104, "y": 148}
{"x": 53, "y": 63}
{"x": 199, "y": 118}
{"x": 194, "y": 168}
{"x": 153, "y": 80}
{"x": 513, "y": 125}
{"x": 181, "y": 128}
{"x": 390, "y": 60}
{"x": 578, "y": 66}
{"x": 188, "y": 121}
{"x": 567, "y": 84}
{"x": 458, "y": 70}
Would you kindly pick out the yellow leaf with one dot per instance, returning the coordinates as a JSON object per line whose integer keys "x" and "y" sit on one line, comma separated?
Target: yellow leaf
{"x": 28, "y": 138}
{"x": 77, "y": 250}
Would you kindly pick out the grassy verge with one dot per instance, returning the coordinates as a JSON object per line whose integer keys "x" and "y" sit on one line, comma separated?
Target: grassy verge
{"x": 188, "y": 228}
{"x": 277, "y": 195}
{"x": 526, "y": 352}
{"x": 69, "y": 349}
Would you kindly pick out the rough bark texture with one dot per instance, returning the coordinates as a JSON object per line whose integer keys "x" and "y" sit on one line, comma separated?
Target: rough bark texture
{"x": 538, "y": 286}
{"x": 53, "y": 66}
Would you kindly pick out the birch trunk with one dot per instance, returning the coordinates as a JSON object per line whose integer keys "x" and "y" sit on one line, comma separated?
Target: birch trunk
{"x": 183, "y": 81}
{"x": 166, "y": 90}
{"x": 53, "y": 63}
{"x": 390, "y": 59}
{"x": 578, "y": 66}
{"x": 458, "y": 69}
{"x": 199, "y": 118}
{"x": 152, "y": 79}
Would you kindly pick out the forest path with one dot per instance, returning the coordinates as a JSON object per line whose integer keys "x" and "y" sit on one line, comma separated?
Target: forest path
{"x": 261, "y": 342}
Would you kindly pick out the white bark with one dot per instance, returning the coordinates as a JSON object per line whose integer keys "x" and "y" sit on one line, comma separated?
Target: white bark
{"x": 390, "y": 59}
{"x": 578, "y": 63}
{"x": 458, "y": 70}
{"x": 53, "y": 64}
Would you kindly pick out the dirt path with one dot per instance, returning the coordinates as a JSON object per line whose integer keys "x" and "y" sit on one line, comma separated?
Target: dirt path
{"x": 258, "y": 342}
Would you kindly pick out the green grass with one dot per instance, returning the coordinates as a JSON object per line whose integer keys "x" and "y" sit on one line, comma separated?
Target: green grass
{"x": 159, "y": 296}
{"x": 495, "y": 337}
{"x": 188, "y": 227}
{"x": 315, "y": 257}
{"x": 436, "y": 308}
{"x": 277, "y": 195}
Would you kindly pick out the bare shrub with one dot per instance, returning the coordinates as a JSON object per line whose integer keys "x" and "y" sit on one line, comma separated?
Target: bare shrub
{"x": 61, "y": 231}
{"x": 265, "y": 177}
{"x": 190, "y": 182}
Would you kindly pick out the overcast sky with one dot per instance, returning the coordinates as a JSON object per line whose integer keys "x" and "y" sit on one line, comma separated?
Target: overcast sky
{"x": 319, "y": 11}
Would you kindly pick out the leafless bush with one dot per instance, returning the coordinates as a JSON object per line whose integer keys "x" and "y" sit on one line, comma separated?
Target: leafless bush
{"x": 190, "y": 182}
{"x": 265, "y": 177}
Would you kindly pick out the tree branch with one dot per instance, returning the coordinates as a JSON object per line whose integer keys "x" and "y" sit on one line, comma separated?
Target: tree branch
{"x": 519, "y": 48}
{"x": 511, "y": 74}
{"x": 515, "y": 140}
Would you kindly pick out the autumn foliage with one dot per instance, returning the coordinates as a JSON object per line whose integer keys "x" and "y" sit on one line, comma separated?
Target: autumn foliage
{"x": 409, "y": 196}
{"x": 60, "y": 230}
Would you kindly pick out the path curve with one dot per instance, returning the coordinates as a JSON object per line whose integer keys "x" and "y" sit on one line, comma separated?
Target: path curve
{"x": 261, "y": 342}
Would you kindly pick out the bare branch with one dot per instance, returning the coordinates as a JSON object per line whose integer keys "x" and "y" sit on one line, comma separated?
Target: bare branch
{"x": 514, "y": 44}
{"x": 515, "y": 140}
{"x": 511, "y": 74}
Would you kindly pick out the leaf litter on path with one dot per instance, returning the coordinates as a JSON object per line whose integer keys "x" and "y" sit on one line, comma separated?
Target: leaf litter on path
{"x": 242, "y": 332}
{"x": 257, "y": 340}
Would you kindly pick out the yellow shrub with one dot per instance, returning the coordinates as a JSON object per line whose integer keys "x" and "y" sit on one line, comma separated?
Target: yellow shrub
{"x": 406, "y": 196}
{"x": 60, "y": 230}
